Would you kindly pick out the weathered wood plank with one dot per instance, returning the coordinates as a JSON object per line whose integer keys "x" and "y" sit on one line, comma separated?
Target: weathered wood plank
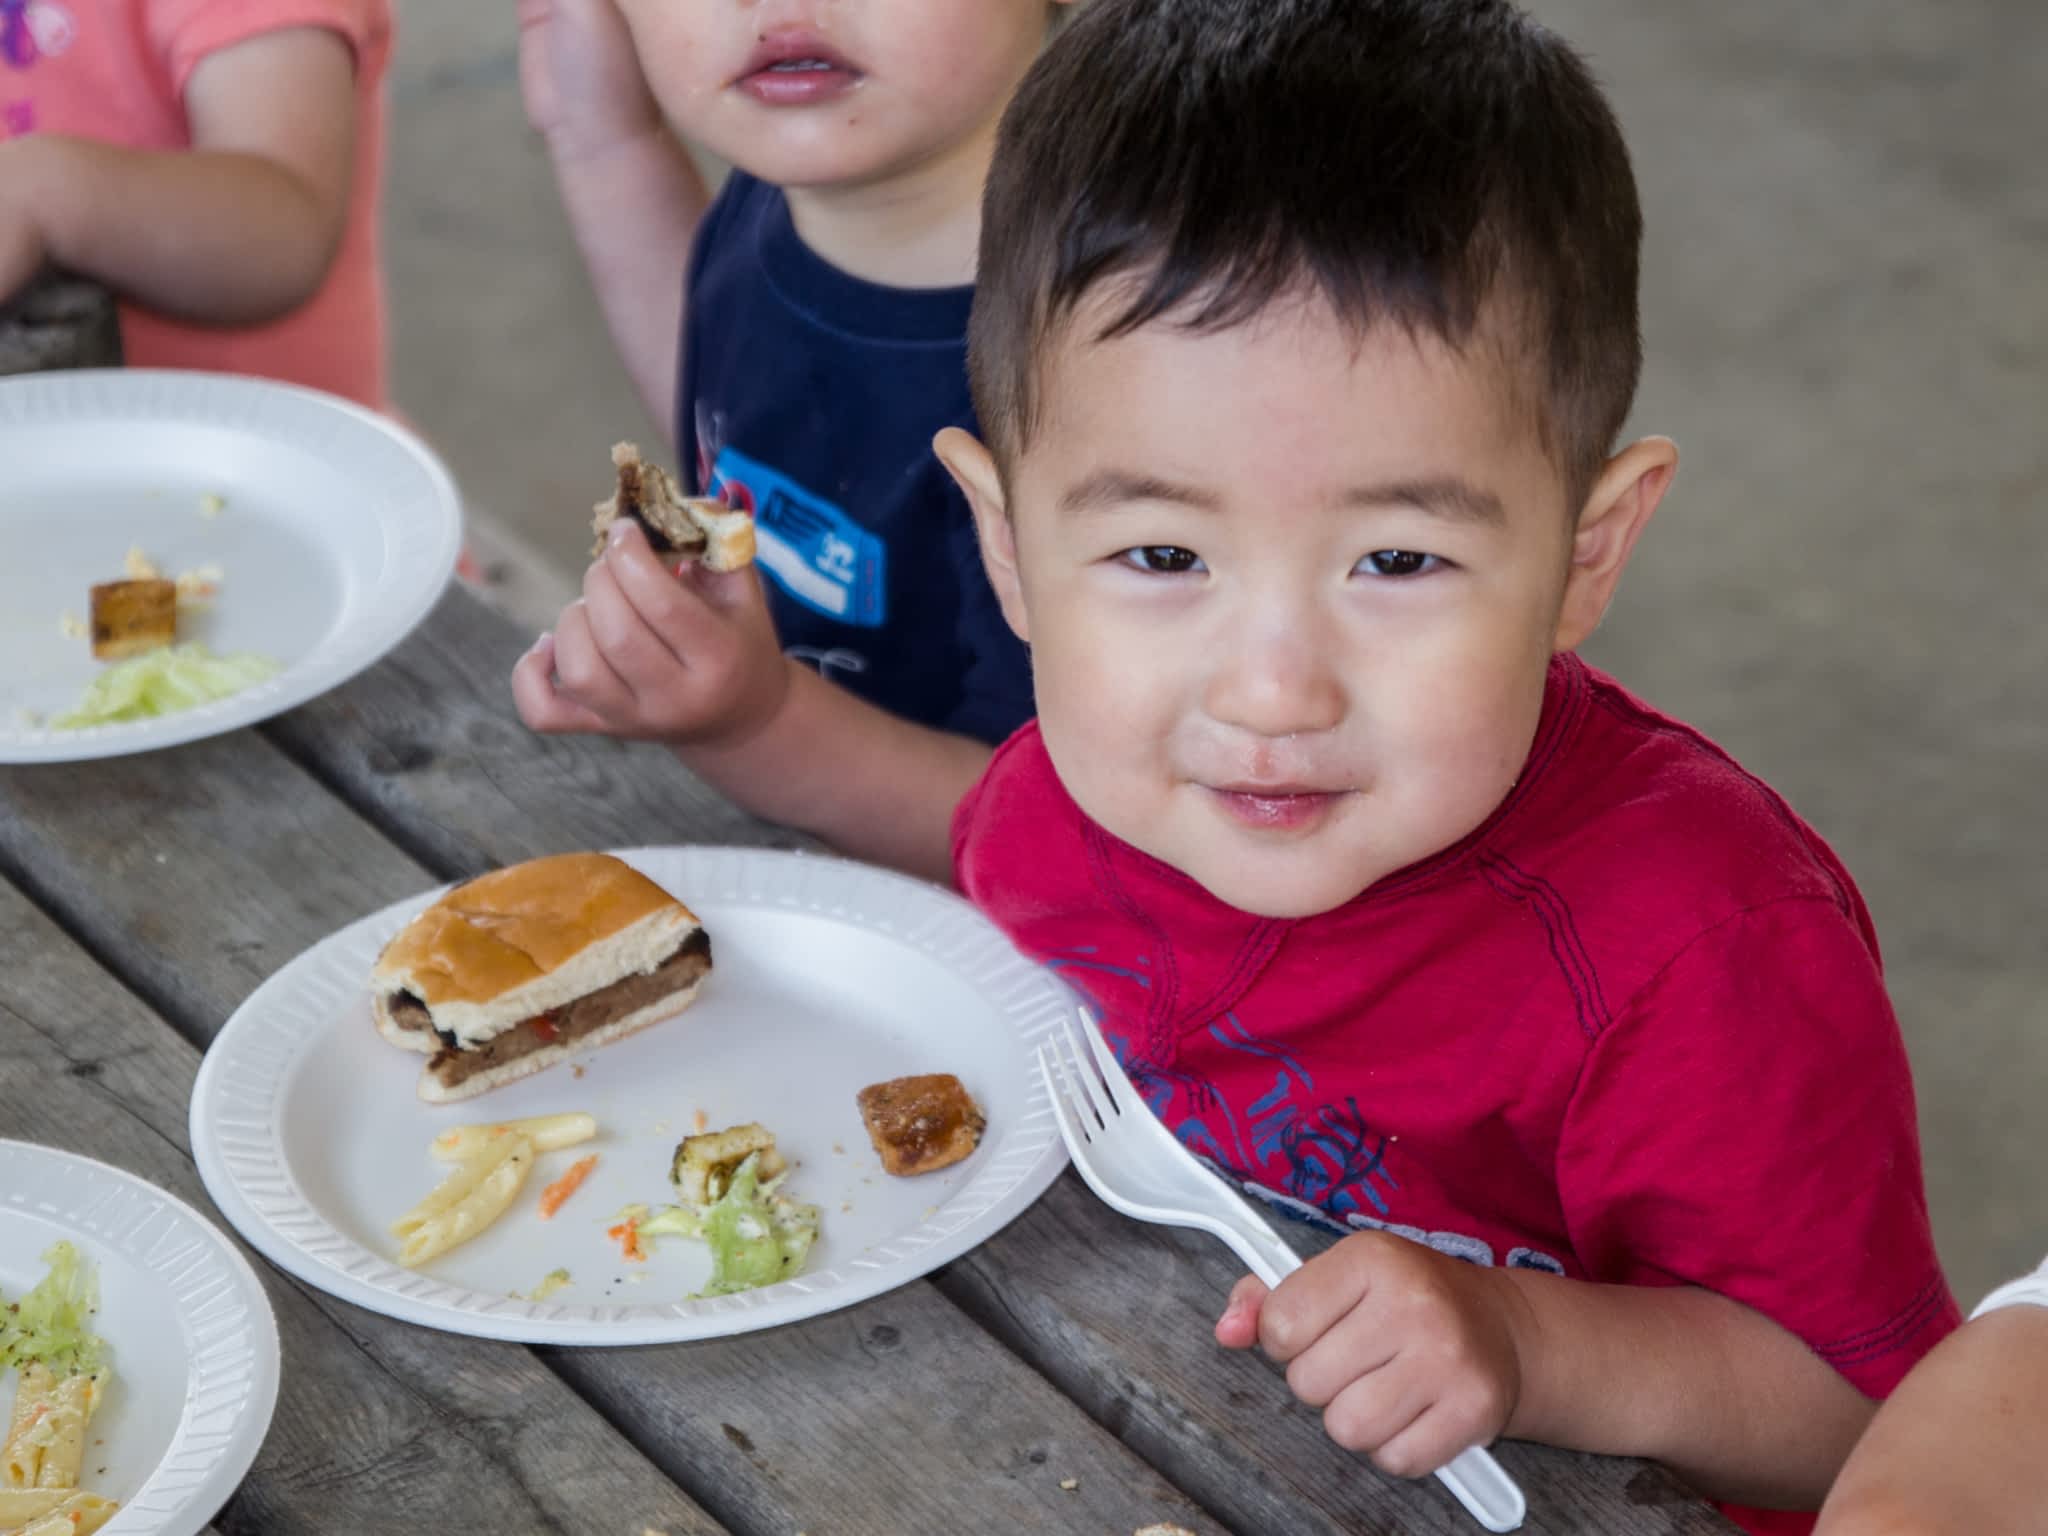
{"x": 378, "y": 1426}
{"x": 152, "y": 860}
{"x": 1119, "y": 1315}
{"x": 427, "y": 746}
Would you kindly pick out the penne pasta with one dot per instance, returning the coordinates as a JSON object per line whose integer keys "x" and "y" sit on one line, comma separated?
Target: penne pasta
{"x": 72, "y": 1402}
{"x": 18, "y": 1506}
{"x": 548, "y": 1133}
{"x": 21, "y": 1455}
{"x": 468, "y": 1201}
{"x": 76, "y": 1514}
{"x": 456, "y": 1188}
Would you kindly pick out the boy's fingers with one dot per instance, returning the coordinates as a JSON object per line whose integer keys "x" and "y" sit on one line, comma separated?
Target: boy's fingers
{"x": 1431, "y": 1441}
{"x": 726, "y": 591}
{"x": 644, "y": 655}
{"x": 1371, "y": 1414}
{"x": 1312, "y": 1300}
{"x": 676, "y": 612}
{"x": 1238, "y": 1327}
{"x": 581, "y": 670}
{"x": 1353, "y": 1347}
{"x": 534, "y": 696}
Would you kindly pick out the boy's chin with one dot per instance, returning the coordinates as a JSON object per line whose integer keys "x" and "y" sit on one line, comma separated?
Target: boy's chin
{"x": 1277, "y": 888}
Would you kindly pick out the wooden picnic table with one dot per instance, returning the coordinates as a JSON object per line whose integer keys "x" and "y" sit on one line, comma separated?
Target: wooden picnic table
{"x": 1060, "y": 1378}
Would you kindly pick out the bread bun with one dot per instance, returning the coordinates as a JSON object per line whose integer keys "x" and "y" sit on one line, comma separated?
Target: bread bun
{"x": 518, "y": 968}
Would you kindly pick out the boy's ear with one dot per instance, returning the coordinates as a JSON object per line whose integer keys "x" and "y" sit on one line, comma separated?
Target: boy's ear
{"x": 974, "y": 470}
{"x": 1616, "y": 512}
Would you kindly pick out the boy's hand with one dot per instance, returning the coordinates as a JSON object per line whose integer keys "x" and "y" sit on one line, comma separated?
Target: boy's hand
{"x": 580, "y": 77}
{"x": 644, "y": 655}
{"x": 1411, "y": 1356}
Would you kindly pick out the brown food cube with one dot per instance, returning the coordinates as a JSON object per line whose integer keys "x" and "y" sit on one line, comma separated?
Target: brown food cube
{"x": 920, "y": 1124}
{"x": 130, "y": 617}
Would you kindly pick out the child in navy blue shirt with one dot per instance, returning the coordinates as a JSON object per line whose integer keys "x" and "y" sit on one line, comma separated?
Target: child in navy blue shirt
{"x": 853, "y": 682}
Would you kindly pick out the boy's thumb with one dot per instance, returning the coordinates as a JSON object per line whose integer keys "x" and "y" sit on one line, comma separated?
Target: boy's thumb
{"x": 1238, "y": 1327}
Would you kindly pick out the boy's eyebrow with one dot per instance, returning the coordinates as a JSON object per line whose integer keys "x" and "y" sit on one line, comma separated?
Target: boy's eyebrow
{"x": 1446, "y": 496}
{"x": 1114, "y": 487}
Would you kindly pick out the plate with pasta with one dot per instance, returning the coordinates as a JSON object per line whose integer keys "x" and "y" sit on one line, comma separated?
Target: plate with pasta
{"x": 138, "y": 1354}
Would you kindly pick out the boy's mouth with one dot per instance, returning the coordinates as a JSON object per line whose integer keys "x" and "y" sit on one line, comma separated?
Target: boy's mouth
{"x": 1277, "y": 807}
{"x": 795, "y": 69}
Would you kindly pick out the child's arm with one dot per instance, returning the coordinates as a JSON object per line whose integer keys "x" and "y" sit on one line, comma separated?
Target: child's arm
{"x": 1413, "y": 1356}
{"x": 238, "y": 230}
{"x": 695, "y": 664}
{"x": 1956, "y": 1450}
{"x": 632, "y": 194}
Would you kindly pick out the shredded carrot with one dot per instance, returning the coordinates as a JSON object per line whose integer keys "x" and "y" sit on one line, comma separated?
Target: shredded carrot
{"x": 552, "y": 1197}
{"x": 628, "y": 1234}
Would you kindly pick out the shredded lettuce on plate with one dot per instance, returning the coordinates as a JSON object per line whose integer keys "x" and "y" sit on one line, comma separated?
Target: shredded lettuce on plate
{"x": 163, "y": 682}
{"x": 49, "y": 1325}
{"x": 757, "y": 1234}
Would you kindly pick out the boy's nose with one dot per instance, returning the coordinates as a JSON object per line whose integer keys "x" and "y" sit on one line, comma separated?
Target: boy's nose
{"x": 1279, "y": 679}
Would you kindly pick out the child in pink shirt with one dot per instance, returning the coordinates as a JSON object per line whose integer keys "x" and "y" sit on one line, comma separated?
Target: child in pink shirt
{"x": 217, "y": 164}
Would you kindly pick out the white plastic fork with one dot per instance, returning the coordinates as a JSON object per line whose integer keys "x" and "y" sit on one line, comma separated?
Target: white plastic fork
{"x": 1138, "y": 1167}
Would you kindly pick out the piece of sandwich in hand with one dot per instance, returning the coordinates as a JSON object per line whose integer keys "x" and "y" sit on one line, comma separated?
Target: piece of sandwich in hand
{"x": 677, "y": 526}
{"x": 528, "y": 965}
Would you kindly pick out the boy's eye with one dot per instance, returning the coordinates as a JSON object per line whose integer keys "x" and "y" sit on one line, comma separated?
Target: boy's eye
{"x": 1399, "y": 562}
{"x": 1162, "y": 559}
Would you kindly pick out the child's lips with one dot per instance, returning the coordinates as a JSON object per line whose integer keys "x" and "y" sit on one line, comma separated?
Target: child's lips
{"x": 1278, "y": 807}
{"x": 796, "y": 69}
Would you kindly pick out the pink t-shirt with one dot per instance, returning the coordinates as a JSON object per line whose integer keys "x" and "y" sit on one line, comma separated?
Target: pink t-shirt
{"x": 1632, "y": 1030}
{"x": 115, "y": 71}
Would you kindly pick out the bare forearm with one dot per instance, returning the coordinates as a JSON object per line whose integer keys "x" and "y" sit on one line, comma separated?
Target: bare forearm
{"x": 1956, "y": 1451}
{"x": 882, "y": 790}
{"x": 634, "y": 207}
{"x": 1719, "y": 1393}
{"x": 212, "y": 236}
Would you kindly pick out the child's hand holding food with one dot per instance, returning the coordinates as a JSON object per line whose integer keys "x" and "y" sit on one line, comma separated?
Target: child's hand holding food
{"x": 645, "y": 655}
{"x": 1412, "y": 1356}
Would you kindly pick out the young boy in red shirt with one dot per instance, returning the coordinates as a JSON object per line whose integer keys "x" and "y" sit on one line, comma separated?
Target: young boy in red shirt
{"x": 1303, "y": 349}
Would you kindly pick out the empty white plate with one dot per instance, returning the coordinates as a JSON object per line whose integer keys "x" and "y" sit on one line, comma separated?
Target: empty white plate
{"x": 334, "y": 530}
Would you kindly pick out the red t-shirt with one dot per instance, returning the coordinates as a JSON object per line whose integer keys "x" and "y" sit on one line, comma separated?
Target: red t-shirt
{"x": 1633, "y": 1030}
{"x": 117, "y": 72}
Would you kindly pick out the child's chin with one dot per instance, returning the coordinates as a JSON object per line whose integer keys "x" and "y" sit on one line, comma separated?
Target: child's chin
{"x": 1277, "y": 889}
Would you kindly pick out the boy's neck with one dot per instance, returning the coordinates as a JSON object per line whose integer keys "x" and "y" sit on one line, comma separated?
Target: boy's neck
{"x": 918, "y": 229}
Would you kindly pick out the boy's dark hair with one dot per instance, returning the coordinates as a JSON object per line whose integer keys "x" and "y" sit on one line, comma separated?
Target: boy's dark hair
{"x": 1413, "y": 161}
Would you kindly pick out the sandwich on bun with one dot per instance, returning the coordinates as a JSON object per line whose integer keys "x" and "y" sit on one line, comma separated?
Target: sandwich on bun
{"x": 516, "y": 970}
{"x": 677, "y": 526}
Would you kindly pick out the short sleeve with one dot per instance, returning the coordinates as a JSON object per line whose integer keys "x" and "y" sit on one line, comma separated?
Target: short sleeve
{"x": 184, "y": 32}
{"x": 995, "y": 684}
{"x": 1747, "y": 1125}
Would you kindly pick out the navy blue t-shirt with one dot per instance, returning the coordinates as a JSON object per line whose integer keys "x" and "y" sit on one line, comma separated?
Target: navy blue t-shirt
{"x": 811, "y": 397}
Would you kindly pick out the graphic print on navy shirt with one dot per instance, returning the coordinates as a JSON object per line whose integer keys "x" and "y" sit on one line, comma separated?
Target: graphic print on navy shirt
{"x": 810, "y": 398}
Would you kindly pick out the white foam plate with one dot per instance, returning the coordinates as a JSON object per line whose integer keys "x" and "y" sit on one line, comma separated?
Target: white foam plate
{"x": 339, "y": 533}
{"x": 827, "y": 976}
{"x": 193, "y": 1345}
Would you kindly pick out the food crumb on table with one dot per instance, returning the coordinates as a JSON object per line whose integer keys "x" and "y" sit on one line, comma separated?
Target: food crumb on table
{"x": 1069, "y": 1484}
